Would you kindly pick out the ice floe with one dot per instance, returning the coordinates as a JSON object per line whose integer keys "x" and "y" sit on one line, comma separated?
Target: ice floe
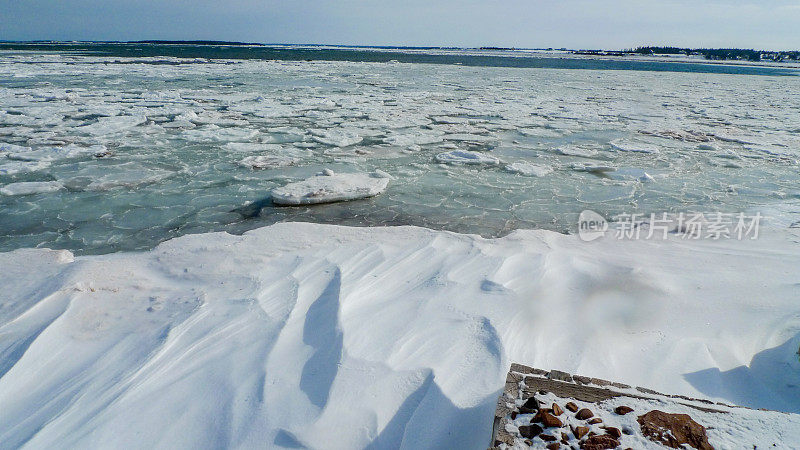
{"x": 31, "y": 187}
{"x": 336, "y": 138}
{"x": 529, "y": 169}
{"x": 466, "y": 157}
{"x": 329, "y": 187}
{"x": 268, "y": 162}
{"x": 55, "y": 153}
{"x": 574, "y": 150}
{"x": 625, "y": 145}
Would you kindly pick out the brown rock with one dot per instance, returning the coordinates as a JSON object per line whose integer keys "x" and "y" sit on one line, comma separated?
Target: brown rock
{"x": 580, "y": 432}
{"x": 530, "y": 431}
{"x": 584, "y": 414}
{"x": 530, "y": 406}
{"x": 622, "y": 410}
{"x": 547, "y": 419}
{"x": 513, "y": 415}
{"x": 547, "y": 437}
{"x": 557, "y": 411}
{"x": 594, "y": 421}
{"x": 553, "y": 446}
{"x": 572, "y": 407}
{"x": 674, "y": 430}
{"x": 599, "y": 443}
{"x": 613, "y": 432}
{"x": 564, "y": 438}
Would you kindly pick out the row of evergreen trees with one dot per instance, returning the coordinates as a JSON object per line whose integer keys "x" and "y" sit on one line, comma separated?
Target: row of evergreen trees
{"x": 721, "y": 53}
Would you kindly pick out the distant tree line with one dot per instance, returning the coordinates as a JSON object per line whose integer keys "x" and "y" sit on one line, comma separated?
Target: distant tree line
{"x": 721, "y": 53}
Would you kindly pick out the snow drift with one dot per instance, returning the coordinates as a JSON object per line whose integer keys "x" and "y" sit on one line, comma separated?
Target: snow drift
{"x": 332, "y": 337}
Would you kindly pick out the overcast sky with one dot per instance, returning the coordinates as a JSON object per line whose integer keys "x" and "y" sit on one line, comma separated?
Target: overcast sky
{"x": 612, "y": 24}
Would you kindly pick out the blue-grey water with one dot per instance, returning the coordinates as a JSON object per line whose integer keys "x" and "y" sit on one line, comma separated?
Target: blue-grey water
{"x": 131, "y": 145}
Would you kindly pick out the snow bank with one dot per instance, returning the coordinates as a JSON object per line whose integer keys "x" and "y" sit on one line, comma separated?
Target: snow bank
{"x": 333, "y": 337}
{"x": 329, "y": 187}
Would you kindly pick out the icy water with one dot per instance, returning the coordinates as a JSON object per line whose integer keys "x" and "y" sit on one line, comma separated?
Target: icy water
{"x": 132, "y": 146}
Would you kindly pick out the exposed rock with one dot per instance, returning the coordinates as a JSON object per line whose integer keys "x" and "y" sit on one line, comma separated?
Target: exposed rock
{"x": 572, "y": 407}
{"x": 581, "y": 379}
{"x": 559, "y": 375}
{"x": 530, "y": 406}
{"x": 674, "y": 430}
{"x": 599, "y": 443}
{"x": 530, "y": 431}
{"x": 553, "y": 446}
{"x": 601, "y": 382}
{"x": 547, "y": 419}
{"x": 557, "y": 411}
{"x": 613, "y": 432}
{"x": 584, "y": 414}
{"x": 622, "y": 410}
{"x": 596, "y": 420}
{"x": 580, "y": 432}
{"x": 648, "y": 391}
{"x": 548, "y": 437}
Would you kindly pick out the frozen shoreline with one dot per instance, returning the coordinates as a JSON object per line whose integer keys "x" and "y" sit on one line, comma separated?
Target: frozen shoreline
{"x": 343, "y": 337}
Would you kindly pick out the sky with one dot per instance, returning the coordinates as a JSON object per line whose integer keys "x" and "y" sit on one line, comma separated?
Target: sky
{"x": 575, "y": 24}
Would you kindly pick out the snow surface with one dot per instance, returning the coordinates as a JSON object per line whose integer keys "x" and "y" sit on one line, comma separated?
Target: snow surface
{"x": 333, "y": 337}
{"x": 329, "y": 187}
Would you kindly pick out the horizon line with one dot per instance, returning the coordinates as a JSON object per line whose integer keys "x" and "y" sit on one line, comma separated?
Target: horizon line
{"x": 212, "y": 42}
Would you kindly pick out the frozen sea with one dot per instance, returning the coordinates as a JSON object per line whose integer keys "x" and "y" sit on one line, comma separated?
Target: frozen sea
{"x": 107, "y": 147}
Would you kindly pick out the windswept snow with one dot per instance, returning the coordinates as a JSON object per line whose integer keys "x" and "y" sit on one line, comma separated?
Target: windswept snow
{"x": 304, "y": 335}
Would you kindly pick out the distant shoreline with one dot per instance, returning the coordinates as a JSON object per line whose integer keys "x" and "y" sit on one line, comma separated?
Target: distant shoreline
{"x": 646, "y": 50}
{"x": 445, "y": 55}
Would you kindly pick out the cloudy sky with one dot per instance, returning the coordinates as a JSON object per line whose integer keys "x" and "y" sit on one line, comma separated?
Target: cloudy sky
{"x": 612, "y": 24}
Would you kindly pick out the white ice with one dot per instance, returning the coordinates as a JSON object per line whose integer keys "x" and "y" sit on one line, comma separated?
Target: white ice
{"x": 31, "y": 187}
{"x": 466, "y": 157}
{"x": 329, "y": 187}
